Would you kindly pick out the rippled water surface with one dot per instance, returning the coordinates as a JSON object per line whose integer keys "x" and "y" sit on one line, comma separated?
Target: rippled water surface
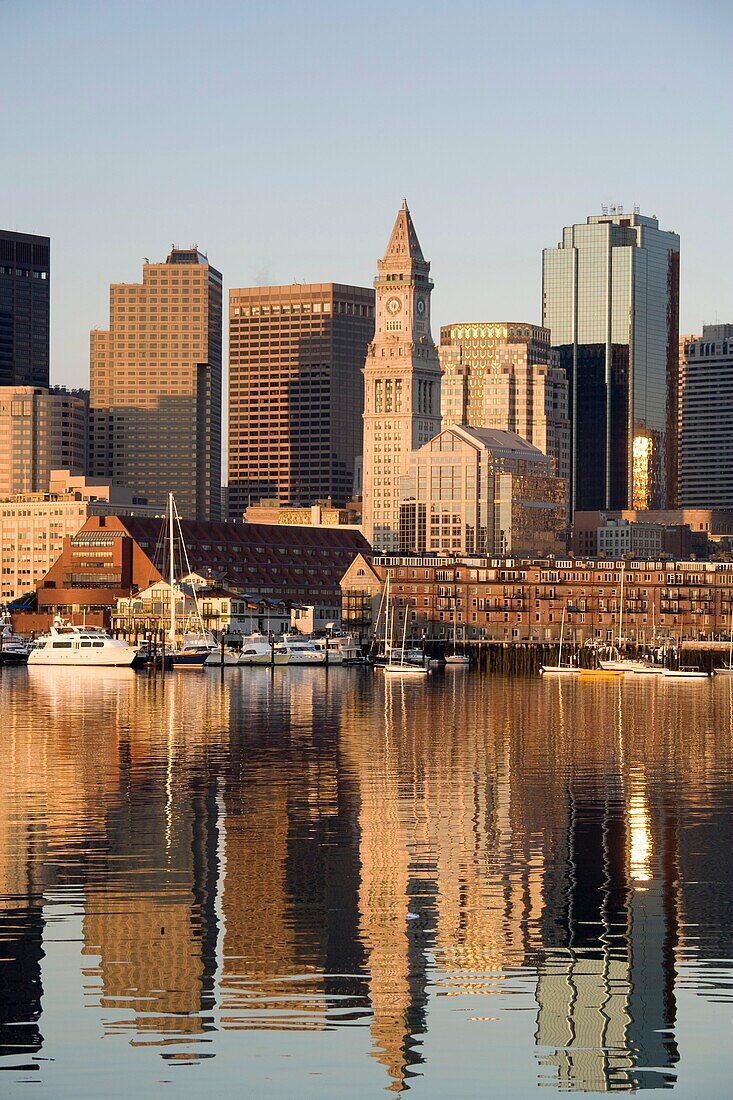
{"x": 310, "y": 883}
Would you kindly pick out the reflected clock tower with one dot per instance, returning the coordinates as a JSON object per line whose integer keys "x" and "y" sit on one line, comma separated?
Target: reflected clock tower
{"x": 401, "y": 381}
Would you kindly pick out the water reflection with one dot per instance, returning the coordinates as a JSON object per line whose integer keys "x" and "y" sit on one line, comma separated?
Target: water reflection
{"x": 309, "y": 853}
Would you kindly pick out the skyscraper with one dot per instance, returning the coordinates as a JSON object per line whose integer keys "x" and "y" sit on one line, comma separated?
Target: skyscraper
{"x": 25, "y": 282}
{"x": 706, "y": 429}
{"x": 156, "y": 385}
{"x": 401, "y": 381}
{"x": 610, "y": 298}
{"x": 296, "y": 394}
{"x": 40, "y": 430}
{"x": 505, "y": 375}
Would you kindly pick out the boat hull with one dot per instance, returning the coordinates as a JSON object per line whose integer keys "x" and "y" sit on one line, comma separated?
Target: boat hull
{"x": 559, "y": 670}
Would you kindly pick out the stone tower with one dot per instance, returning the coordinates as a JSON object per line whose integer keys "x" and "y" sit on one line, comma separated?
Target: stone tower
{"x": 401, "y": 381}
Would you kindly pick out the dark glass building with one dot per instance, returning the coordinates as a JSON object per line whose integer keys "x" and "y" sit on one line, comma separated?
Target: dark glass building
{"x": 24, "y": 308}
{"x": 610, "y": 297}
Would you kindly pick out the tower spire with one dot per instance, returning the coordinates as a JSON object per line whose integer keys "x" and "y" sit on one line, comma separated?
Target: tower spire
{"x": 403, "y": 242}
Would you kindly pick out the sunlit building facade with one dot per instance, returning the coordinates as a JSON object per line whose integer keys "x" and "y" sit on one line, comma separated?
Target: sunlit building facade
{"x": 296, "y": 394}
{"x": 610, "y": 299}
{"x": 156, "y": 385}
{"x": 40, "y": 430}
{"x": 481, "y": 491}
{"x": 505, "y": 375}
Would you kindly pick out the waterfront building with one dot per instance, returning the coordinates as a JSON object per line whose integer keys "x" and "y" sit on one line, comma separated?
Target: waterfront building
{"x": 523, "y": 599}
{"x": 706, "y": 428}
{"x": 33, "y": 525}
{"x": 610, "y": 294}
{"x": 113, "y": 557}
{"x": 155, "y": 420}
{"x": 481, "y": 491}
{"x": 296, "y": 395}
{"x": 680, "y": 533}
{"x": 401, "y": 381}
{"x": 40, "y": 430}
{"x": 505, "y": 375}
{"x": 25, "y": 286}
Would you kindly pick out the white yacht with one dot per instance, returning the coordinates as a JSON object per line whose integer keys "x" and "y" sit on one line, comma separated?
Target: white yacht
{"x": 299, "y": 652}
{"x": 79, "y": 645}
{"x": 256, "y": 650}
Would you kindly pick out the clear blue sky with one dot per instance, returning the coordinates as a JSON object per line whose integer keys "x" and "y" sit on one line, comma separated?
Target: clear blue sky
{"x": 281, "y": 137}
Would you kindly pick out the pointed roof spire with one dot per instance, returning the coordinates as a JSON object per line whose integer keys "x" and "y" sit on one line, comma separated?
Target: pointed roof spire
{"x": 403, "y": 243}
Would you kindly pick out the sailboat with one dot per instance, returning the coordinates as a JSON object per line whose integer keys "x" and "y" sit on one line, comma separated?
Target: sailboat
{"x": 560, "y": 668}
{"x": 458, "y": 660}
{"x": 727, "y": 670}
{"x": 619, "y": 663}
{"x": 194, "y": 648}
{"x": 401, "y": 667}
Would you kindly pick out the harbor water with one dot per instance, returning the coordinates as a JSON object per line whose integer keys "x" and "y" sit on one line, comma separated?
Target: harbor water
{"x": 327, "y": 883}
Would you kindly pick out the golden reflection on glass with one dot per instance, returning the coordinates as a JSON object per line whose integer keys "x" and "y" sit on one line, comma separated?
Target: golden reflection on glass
{"x": 642, "y": 456}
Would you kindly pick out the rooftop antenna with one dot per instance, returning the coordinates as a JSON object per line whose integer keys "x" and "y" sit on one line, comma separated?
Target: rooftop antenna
{"x": 637, "y": 208}
{"x": 604, "y": 208}
{"x": 146, "y": 260}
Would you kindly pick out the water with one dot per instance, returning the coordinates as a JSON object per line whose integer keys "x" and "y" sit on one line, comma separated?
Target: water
{"x": 319, "y": 884}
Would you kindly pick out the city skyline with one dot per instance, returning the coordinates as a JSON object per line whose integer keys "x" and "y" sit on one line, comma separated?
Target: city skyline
{"x": 93, "y": 172}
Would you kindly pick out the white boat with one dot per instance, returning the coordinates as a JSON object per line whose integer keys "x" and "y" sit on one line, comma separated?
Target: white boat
{"x": 14, "y": 650}
{"x": 299, "y": 653}
{"x": 401, "y": 667}
{"x": 231, "y": 657}
{"x": 256, "y": 650}
{"x": 685, "y": 672}
{"x": 457, "y": 660}
{"x": 727, "y": 670}
{"x": 79, "y": 645}
{"x": 560, "y": 669}
{"x": 619, "y": 663}
{"x": 194, "y": 650}
{"x": 645, "y": 669}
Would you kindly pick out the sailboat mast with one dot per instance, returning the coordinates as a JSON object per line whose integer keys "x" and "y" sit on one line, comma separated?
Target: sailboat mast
{"x": 562, "y": 635}
{"x": 621, "y": 609}
{"x": 172, "y": 570}
{"x": 730, "y": 631}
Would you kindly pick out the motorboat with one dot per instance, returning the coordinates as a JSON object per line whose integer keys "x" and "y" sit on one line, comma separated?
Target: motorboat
{"x": 685, "y": 672}
{"x": 79, "y": 645}
{"x": 457, "y": 660}
{"x": 256, "y": 650}
{"x": 299, "y": 653}
{"x": 645, "y": 668}
{"x": 14, "y": 650}
{"x": 623, "y": 664}
{"x": 230, "y": 657}
{"x": 600, "y": 673}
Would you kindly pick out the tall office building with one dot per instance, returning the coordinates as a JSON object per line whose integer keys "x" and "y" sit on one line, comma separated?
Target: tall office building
{"x": 296, "y": 394}
{"x": 25, "y": 283}
{"x": 156, "y": 385}
{"x": 610, "y": 298}
{"x": 401, "y": 381}
{"x": 40, "y": 430}
{"x": 706, "y": 427}
{"x": 505, "y": 375}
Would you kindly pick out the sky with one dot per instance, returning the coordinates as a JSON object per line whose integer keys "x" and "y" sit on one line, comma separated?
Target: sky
{"x": 281, "y": 137}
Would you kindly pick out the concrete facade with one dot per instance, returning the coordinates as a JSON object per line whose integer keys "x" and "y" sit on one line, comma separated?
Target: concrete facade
{"x": 296, "y": 394}
{"x": 40, "y": 430}
{"x": 155, "y": 404}
{"x": 706, "y": 420}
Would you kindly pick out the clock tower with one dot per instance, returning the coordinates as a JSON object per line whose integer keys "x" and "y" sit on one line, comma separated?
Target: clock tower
{"x": 401, "y": 381}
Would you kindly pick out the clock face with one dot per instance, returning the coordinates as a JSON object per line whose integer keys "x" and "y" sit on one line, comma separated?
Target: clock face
{"x": 420, "y": 306}
{"x": 394, "y": 305}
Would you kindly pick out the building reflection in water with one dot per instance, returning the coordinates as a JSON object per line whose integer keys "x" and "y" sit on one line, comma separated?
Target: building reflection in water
{"x": 309, "y": 851}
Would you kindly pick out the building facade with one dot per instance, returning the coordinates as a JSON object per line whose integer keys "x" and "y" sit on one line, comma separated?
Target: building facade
{"x": 706, "y": 422}
{"x": 33, "y": 525}
{"x": 505, "y": 375}
{"x": 296, "y": 395}
{"x": 401, "y": 381}
{"x": 481, "y": 491}
{"x": 25, "y": 287}
{"x": 515, "y": 599}
{"x": 610, "y": 298}
{"x": 40, "y": 430}
{"x": 155, "y": 417}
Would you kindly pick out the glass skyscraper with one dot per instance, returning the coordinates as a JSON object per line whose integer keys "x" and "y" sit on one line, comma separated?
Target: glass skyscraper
{"x": 610, "y": 297}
